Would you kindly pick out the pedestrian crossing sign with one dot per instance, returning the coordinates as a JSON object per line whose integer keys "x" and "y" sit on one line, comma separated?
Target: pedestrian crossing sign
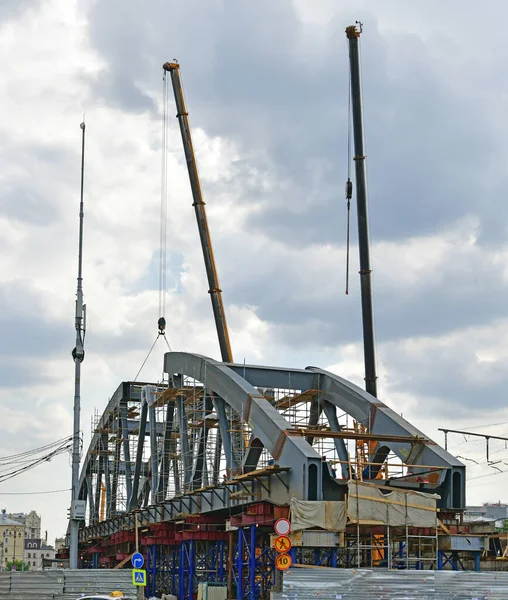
{"x": 138, "y": 577}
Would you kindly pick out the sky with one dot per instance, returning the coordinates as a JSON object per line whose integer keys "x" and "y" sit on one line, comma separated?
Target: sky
{"x": 266, "y": 87}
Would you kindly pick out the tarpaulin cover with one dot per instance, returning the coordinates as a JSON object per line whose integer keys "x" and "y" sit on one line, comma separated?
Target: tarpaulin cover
{"x": 366, "y": 503}
{"x": 327, "y": 515}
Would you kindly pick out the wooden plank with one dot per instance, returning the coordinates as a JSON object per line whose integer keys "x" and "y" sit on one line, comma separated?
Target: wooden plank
{"x": 443, "y": 527}
{"x": 124, "y": 561}
{"x": 379, "y": 437}
{"x": 387, "y": 501}
{"x": 288, "y": 401}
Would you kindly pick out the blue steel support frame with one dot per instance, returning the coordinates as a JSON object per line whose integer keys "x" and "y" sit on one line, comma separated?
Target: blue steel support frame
{"x": 453, "y": 560}
{"x": 253, "y": 567}
{"x": 179, "y": 569}
{"x": 151, "y": 570}
{"x": 165, "y": 575}
{"x": 321, "y": 557}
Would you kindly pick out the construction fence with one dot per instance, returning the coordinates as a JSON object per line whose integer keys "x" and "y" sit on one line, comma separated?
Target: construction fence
{"x": 367, "y": 584}
{"x": 64, "y": 584}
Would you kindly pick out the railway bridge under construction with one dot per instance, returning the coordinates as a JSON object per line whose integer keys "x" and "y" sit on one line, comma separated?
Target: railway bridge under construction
{"x": 195, "y": 472}
{"x": 201, "y": 467}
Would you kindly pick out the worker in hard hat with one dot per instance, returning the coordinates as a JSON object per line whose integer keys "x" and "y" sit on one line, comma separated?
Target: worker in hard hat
{"x": 117, "y": 594}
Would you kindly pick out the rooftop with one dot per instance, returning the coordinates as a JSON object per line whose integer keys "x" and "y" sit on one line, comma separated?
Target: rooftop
{"x": 6, "y": 521}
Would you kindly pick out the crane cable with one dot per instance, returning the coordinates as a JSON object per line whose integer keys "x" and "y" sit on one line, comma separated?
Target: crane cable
{"x": 349, "y": 183}
{"x": 164, "y": 209}
{"x": 161, "y": 323}
{"x": 163, "y": 216}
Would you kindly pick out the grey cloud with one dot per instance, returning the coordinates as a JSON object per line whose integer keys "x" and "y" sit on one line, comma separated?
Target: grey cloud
{"x": 430, "y": 150}
{"x": 450, "y": 380}
{"x": 247, "y": 77}
{"x": 306, "y": 303}
{"x": 22, "y": 374}
{"x": 29, "y": 171}
{"x": 14, "y": 8}
{"x": 25, "y": 329}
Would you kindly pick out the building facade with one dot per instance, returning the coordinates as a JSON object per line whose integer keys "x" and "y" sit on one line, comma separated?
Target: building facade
{"x": 486, "y": 512}
{"x": 35, "y": 551}
{"x": 31, "y": 521}
{"x": 12, "y": 541}
{"x": 59, "y": 543}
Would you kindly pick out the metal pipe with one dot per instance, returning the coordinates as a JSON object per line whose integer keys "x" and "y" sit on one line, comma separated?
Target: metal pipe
{"x": 78, "y": 354}
{"x": 369, "y": 346}
{"x": 199, "y": 207}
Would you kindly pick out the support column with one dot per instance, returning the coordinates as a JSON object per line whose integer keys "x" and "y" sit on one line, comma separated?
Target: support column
{"x": 181, "y": 572}
{"x": 239, "y": 565}
{"x": 152, "y": 568}
{"x": 192, "y": 568}
{"x": 230, "y": 564}
{"x": 174, "y": 570}
{"x": 333, "y": 558}
{"x": 252, "y": 563}
{"x": 221, "y": 562}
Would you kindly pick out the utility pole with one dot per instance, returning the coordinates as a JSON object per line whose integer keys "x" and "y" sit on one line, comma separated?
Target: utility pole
{"x": 77, "y": 509}
{"x": 369, "y": 345}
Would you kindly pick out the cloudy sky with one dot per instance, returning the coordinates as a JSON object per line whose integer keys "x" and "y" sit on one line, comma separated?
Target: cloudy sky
{"x": 266, "y": 86}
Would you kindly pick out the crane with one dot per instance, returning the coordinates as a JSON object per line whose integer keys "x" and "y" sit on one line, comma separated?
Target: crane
{"x": 173, "y": 68}
{"x": 369, "y": 343}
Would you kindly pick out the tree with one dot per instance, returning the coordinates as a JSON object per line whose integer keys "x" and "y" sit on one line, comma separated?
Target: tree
{"x": 19, "y": 565}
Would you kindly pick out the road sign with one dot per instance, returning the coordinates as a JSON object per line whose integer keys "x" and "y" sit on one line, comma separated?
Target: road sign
{"x": 137, "y": 560}
{"x": 282, "y": 544}
{"x": 138, "y": 577}
{"x": 283, "y": 562}
{"x": 282, "y": 527}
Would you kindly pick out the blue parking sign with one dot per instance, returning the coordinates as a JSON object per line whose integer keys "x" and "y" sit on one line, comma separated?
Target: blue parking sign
{"x": 138, "y": 577}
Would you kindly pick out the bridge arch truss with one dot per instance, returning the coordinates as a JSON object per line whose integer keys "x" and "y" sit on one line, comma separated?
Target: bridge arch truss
{"x": 217, "y": 436}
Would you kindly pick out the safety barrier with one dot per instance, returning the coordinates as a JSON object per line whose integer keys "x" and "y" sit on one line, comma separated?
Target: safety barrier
{"x": 64, "y": 584}
{"x": 368, "y": 584}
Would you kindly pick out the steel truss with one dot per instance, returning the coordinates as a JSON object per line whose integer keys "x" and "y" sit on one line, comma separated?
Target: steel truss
{"x": 219, "y": 439}
{"x": 223, "y": 436}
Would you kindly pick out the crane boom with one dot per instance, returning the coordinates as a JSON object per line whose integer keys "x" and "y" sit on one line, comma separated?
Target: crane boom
{"x": 199, "y": 208}
{"x": 369, "y": 343}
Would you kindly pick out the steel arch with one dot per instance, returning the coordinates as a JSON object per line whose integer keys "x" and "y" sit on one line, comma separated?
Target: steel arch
{"x": 221, "y": 435}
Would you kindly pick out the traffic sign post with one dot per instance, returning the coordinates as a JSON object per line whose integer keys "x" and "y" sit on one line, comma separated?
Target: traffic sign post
{"x": 282, "y": 527}
{"x": 139, "y": 577}
{"x": 282, "y": 544}
{"x": 137, "y": 560}
{"x": 283, "y": 562}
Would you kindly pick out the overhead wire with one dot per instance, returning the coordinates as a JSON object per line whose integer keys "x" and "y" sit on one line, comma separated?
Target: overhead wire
{"x": 32, "y": 451}
{"x": 486, "y": 425}
{"x": 161, "y": 323}
{"x": 34, "y": 493}
{"x": 20, "y": 466}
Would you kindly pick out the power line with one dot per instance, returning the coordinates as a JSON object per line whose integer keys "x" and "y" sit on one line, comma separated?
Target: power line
{"x": 21, "y": 466}
{"x": 34, "y": 450}
{"x": 34, "y": 493}
{"x": 485, "y": 436}
{"x": 489, "y": 425}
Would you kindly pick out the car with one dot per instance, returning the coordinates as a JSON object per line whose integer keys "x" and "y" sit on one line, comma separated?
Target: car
{"x": 105, "y": 596}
